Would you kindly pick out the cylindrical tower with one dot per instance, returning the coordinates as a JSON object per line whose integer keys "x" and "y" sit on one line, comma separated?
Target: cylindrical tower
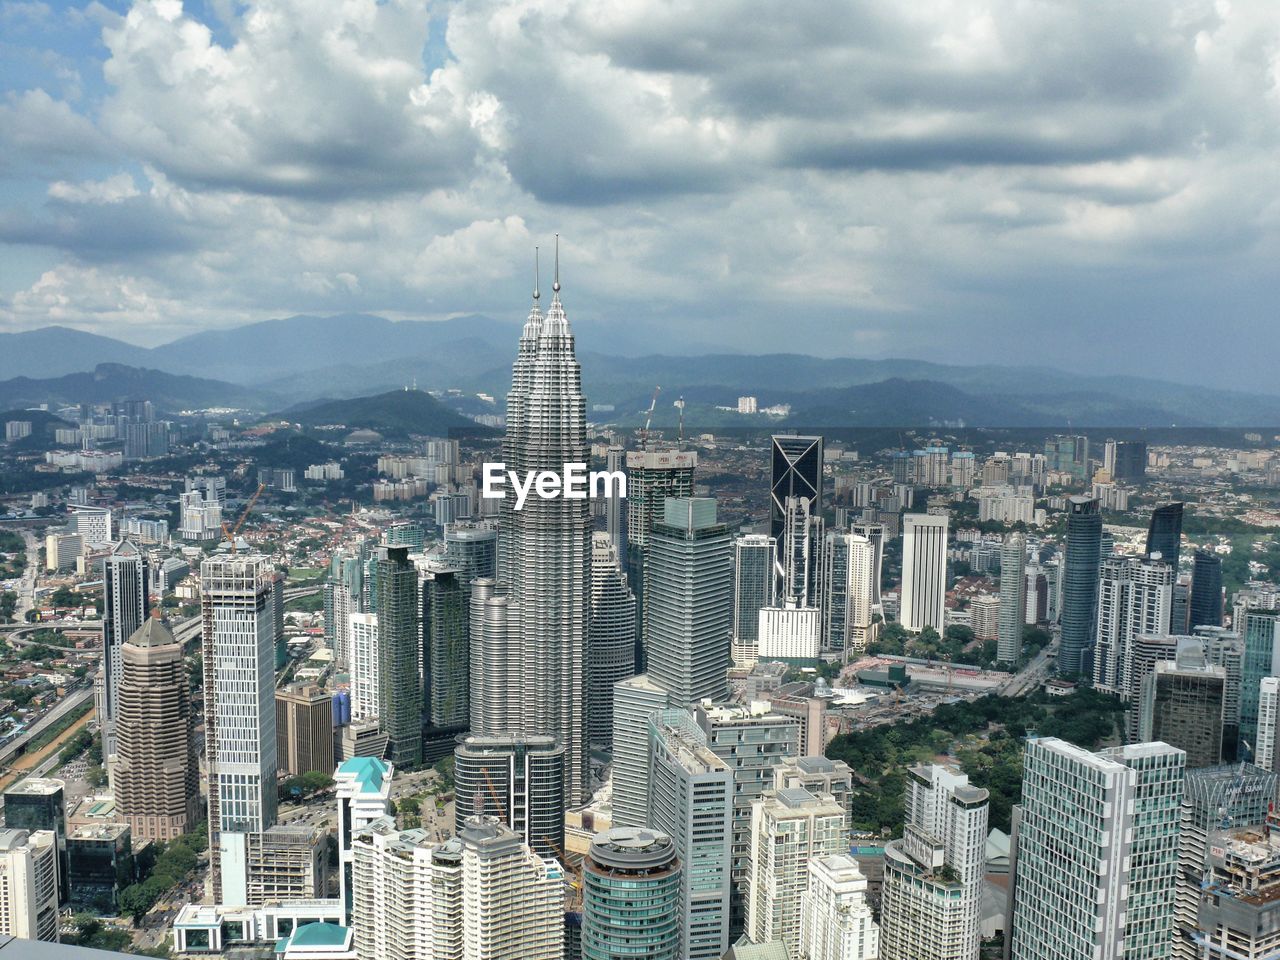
{"x": 631, "y": 896}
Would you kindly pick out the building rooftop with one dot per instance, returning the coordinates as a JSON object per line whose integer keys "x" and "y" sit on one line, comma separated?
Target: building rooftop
{"x": 36, "y": 786}
{"x": 368, "y": 772}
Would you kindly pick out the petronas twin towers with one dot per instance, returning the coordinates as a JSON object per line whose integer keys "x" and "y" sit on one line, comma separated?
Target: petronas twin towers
{"x": 529, "y": 632}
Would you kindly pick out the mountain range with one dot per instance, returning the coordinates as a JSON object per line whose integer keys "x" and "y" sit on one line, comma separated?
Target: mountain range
{"x": 278, "y": 364}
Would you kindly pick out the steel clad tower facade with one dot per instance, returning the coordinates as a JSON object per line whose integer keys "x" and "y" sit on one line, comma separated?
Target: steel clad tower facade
{"x": 544, "y": 555}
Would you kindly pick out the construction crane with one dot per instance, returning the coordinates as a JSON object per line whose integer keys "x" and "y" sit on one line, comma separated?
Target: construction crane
{"x": 643, "y": 434}
{"x": 231, "y": 534}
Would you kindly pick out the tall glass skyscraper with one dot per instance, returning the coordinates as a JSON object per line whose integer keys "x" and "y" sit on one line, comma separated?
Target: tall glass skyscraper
{"x": 1097, "y": 851}
{"x": 399, "y": 649}
{"x": 689, "y": 582}
{"x": 1164, "y": 534}
{"x": 1013, "y": 597}
{"x": 1080, "y": 585}
{"x": 1206, "y": 591}
{"x": 611, "y": 650}
{"x": 544, "y": 549}
{"x": 753, "y": 581}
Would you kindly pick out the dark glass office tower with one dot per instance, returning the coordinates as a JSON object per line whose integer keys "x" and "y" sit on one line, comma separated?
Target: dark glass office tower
{"x": 1206, "y": 590}
{"x": 446, "y": 657}
{"x": 797, "y": 472}
{"x": 1164, "y": 535}
{"x": 1080, "y": 585}
{"x": 399, "y": 643}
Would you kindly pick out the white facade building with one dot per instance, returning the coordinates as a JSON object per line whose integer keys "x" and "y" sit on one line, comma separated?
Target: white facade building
{"x": 1134, "y": 598}
{"x": 924, "y": 571}
{"x": 790, "y": 633}
{"x": 931, "y": 899}
{"x": 362, "y": 638}
{"x": 482, "y": 895}
{"x": 29, "y": 884}
{"x": 789, "y": 829}
{"x": 835, "y": 918}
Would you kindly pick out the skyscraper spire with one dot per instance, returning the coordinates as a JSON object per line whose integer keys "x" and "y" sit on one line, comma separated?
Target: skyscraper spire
{"x": 536, "y": 278}
{"x": 555, "y": 287}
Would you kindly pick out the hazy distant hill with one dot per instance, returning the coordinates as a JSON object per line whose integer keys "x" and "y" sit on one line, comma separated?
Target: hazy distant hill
{"x": 394, "y": 414}
{"x": 262, "y": 353}
{"x": 54, "y": 351}
{"x": 113, "y": 381}
{"x": 307, "y": 358}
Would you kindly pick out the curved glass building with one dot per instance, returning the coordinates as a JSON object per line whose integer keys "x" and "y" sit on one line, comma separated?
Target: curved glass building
{"x": 631, "y": 896}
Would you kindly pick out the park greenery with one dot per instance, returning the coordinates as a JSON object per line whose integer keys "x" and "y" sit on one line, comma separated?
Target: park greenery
{"x": 983, "y": 736}
{"x": 173, "y": 864}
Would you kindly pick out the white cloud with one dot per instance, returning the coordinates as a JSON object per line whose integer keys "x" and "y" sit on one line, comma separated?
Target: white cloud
{"x": 848, "y": 176}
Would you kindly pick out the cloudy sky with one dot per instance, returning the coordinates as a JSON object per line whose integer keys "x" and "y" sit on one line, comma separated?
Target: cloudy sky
{"x": 1081, "y": 183}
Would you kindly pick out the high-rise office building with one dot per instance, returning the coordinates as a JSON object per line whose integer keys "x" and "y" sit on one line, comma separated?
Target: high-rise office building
{"x": 654, "y": 474}
{"x": 691, "y": 800}
{"x": 875, "y": 533}
{"x": 635, "y": 701}
{"x": 29, "y": 884}
{"x": 1078, "y": 611}
{"x": 1125, "y": 460}
{"x": 304, "y": 729}
{"x": 835, "y": 918}
{"x": 615, "y": 524}
{"x": 518, "y": 780}
{"x": 790, "y": 829}
{"x": 366, "y": 666}
{"x": 40, "y": 803}
{"x": 472, "y": 549}
{"x": 544, "y": 548}
{"x": 1164, "y": 533}
{"x": 689, "y": 585}
{"x": 1239, "y": 911}
{"x": 1134, "y": 595}
{"x": 848, "y": 569}
{"x": 99, "y": 865}
{"x": 1013, "y": 597}
{"x": 931, "y": 900}
{"x": 796, "y": 471}
{"x": 239, "y": 712}
{"x": 800, "y": 553}
{"x": 611, "y": 639}
{"x": 752, "y": 741}
{"x": 924, "y": 571}
{"x": 125, "y": 608}
{"x": 1097, "y": 851}
{"x": 1259, "y": 628}
{"x": 754, "y": 556}
{"x": 445, "y": 594}
{"x": 480, "y": 894}
{"x": 1224, "y": 648}
{"x": 396, "y": 605}
{"x": 631, "y": 896}
{"x": 1205, "y": 603}
{"x": 1182, "y": 704}
{"x": 156, "y": 778}
{"x": 1068, "y": 454}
